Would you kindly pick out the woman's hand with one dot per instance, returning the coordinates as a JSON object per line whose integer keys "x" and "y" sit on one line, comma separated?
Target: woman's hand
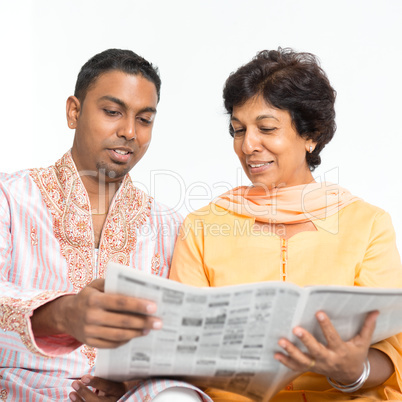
{"x": 339, "y": 360}
{"x": 105, "y": 390}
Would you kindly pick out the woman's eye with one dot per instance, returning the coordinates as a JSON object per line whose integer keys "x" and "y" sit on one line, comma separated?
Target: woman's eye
{"x": 238, "y": 132}
{"x": 266, "y": 129}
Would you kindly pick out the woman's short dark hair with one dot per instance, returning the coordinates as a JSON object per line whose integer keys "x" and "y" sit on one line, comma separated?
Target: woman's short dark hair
{"x": 115, "y": 59}
{"x": 290, "y": 81}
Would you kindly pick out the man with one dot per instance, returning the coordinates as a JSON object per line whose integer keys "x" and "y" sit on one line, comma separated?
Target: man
{"x": 60, "y": 226}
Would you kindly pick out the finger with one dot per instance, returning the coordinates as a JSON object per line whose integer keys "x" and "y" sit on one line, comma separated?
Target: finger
{"x": 290, "y": 363}
{"x": 315, "y": 349}
{"x": 75, "y": 397}
{"x": 368, "y": 328}
{"x": 123, "y": 321}
{"x": 294, "y": 358}
{"x": 121, "y": 303}
{"x": 103, "y": 337}
{"x": 108, "y": 387}
{"x": 85, "y": 394}
{"x": 98, "y": 284}
{"x": 330, "y": 333}
{"x": 82, "y": 393}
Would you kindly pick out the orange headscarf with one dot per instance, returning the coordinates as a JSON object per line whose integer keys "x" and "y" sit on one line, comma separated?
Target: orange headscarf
{"x": 306, "y": 202}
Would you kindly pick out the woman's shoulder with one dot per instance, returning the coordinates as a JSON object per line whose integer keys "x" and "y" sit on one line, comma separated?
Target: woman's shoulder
{"x": 363, "y": 216}
{"x": 363, "y": 209}
{"x": 213, "y": 213}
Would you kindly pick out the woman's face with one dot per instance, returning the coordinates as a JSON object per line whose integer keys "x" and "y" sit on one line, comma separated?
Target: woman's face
{"x": 269, "y": 148}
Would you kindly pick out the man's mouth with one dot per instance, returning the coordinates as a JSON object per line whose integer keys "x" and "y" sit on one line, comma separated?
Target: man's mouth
{"x": 120, "y": 152}
{"x": 120, "y": 155}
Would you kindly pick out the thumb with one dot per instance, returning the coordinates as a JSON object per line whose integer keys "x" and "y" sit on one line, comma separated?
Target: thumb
{"x": 98, "y": 284}
{"x": 108, "y": 387}
{"x": 368, "y": 328}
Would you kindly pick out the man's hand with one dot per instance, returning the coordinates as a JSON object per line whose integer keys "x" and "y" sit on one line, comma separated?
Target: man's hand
{"x": 95, "y": 318}
{"x": 104, "y": 390}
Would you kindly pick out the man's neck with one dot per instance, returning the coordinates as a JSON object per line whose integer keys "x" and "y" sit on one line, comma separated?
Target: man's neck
{"x": 100, "y": 193}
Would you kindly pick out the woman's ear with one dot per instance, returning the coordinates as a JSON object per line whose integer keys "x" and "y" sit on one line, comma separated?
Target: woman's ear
{"x": 310, "y": 146}
{"x": 73, "y": 108}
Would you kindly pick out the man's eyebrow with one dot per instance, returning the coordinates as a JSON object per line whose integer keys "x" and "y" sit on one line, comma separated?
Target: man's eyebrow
{"x": 124, "y": 105}
{"x": 114, "y": 100}
{"x": 148, "y": 109}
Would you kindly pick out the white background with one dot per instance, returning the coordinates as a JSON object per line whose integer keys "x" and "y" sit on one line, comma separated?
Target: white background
{"x": 196, "y": 44}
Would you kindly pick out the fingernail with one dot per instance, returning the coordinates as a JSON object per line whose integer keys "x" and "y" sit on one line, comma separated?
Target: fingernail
{"x": 73, "y": 397}
{"x": 151, "y": 308}
{"x": 157, "y": 325}
{"x": 75, "y": 386}
{"x": 86, "y": 380}
{"x": 282, "y": 344}
{"x": 320, "y": 317}
{"x": 298, "y": 333}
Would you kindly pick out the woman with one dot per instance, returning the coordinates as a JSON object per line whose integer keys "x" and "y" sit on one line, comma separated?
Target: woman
{"x": 287, "y": 227}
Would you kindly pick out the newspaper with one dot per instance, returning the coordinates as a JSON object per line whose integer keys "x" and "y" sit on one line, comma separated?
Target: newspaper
{"x": 226, "y": 337}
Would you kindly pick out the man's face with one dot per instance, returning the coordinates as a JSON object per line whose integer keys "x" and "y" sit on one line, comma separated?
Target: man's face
{"x": 113, "y": 125}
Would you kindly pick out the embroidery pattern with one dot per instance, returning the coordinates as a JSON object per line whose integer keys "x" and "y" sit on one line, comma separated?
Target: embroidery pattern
{"x": 155, "y": 264}
{"x": 3, "y": 394}
{"x": 147, "y": 398}
{"x": 66, "y": 198}
{"x": 90, "y": 353}
{"x": 284, "y": 259}
{"x": 13, "y": 316}
{"x": 34, "y": 237}
{"x": 128, "y": 212}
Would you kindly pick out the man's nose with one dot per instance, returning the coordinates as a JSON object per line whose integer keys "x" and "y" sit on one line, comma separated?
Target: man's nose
{"x": 127, "y": 129}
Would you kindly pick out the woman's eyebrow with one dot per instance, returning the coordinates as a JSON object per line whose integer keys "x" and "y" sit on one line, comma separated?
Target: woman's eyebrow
{"x": 266, "y": 116}
{"x": 261, "y": 117}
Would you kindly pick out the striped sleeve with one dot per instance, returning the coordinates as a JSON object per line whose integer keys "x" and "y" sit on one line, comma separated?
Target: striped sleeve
{"x": 18, "y": 303}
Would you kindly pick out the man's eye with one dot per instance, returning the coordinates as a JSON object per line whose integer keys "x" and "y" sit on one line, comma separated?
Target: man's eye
{"x": 111, "y": 112}
{"x": 145, "y": 121}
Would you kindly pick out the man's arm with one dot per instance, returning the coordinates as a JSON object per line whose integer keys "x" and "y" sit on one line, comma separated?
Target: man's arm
{"x": 17, "y": 298}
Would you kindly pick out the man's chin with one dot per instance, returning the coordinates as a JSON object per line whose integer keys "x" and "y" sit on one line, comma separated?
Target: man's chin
{"x": 112, "y": 173}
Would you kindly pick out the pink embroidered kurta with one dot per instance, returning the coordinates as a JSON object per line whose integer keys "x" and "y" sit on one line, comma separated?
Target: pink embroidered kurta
{"x": 47, "y": 250}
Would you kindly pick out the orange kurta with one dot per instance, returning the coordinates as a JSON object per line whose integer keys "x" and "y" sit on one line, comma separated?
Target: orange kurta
{"x": 355, "y": 247}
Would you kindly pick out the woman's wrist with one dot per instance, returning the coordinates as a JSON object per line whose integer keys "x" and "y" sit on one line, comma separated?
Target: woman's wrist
{"x": 355, "y": 385}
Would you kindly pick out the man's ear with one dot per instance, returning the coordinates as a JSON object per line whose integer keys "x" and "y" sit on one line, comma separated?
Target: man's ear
{"x": 73, "y": 109}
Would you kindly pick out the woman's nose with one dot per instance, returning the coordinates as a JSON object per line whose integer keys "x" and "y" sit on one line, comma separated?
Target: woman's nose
{"x": 251, "y": 142}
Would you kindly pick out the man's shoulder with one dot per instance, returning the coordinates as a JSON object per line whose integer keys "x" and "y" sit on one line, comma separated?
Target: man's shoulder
{"x": 163, "y": 212}
{"x": 23, "y": 175}
{"x": 9, "y": 180}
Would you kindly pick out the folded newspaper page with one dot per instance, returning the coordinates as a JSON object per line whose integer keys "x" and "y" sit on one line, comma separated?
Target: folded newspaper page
{"x": 226, "y": 337}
